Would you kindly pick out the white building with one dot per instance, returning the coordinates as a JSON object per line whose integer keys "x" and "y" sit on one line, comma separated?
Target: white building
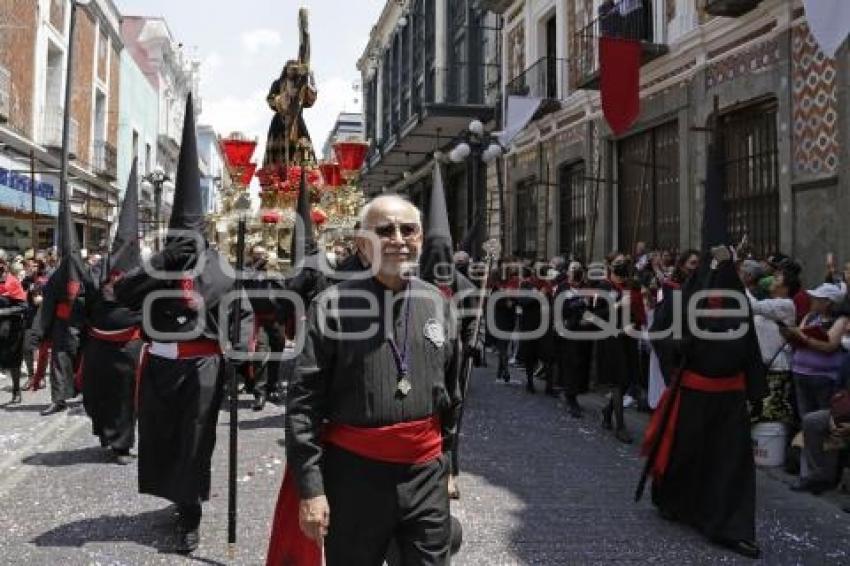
{"x": 173, "y": 74}
{"x": 214, "y": 175}
{"x": 348, "y": 125}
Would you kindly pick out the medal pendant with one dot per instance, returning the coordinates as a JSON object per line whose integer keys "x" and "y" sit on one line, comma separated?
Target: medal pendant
{"x": 404, "y": 386}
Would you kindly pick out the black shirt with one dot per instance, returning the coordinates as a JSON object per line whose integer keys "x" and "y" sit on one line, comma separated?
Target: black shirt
{"x": 353, "y": 380}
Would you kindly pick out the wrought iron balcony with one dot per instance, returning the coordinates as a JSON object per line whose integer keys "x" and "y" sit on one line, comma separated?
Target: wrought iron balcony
{"x": 51, "y": 132}
{"x": 730, "y": 8}
{"x": 5, "y": 92}
{"x": 626, "y": 19}
{"x": 546, "y": 78}
{"x": 105, "y": 160}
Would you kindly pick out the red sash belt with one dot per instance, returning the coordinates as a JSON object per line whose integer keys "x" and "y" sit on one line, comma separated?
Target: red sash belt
{"x": 63, "y": 310}
{"x": 191, "y": 349}
{"x": 122, "y": 336}
{"x": 693, "y": 381}
{"x": 265, "y": 317}
{"x": 415, "y": 442}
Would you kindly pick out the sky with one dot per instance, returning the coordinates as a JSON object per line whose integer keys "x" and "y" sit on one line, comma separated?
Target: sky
{"x": 243, "y": 44}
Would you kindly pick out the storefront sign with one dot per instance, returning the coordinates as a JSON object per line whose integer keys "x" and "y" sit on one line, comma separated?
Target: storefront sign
{"x": 16, "y": 189}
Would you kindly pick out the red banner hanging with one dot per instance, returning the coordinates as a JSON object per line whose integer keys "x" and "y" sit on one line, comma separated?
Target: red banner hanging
{"x": 619, "y": 63}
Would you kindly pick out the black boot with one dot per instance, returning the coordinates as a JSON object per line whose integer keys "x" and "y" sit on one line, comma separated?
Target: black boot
{"x": 529, "y": 384}
{"x": 607, "y": 412}
{"x": 188, "y": 537}
{"x": 573, "y": 408}
{"x": 54, "y": 408}
{"x": 16, "y": 387}
{"x": 259, "y": 401}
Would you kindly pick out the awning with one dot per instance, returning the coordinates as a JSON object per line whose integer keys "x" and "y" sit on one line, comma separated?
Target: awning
{"x": 434, "y": 128}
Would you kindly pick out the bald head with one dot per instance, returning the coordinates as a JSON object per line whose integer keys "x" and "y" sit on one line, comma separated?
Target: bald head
{"x": 387, "y": 205}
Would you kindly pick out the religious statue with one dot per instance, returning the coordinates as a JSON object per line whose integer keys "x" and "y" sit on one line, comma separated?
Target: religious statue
{"x": 288, "y": 141}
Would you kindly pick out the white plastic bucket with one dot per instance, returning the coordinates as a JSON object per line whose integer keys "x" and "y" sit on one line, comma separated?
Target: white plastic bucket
{"x": 769, "y": 444}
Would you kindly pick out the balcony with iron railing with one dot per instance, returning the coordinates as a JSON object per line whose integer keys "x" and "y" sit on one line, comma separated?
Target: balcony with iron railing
{"x": 51, "y": 130}
{"x": 5, "y": 94}
{"x": 105, "y": 160}
{"x": 625, "y": 19}
{"x": 546, "y": 78}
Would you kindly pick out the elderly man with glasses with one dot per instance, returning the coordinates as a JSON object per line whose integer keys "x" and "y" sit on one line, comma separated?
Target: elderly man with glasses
{"x": 371, "y": 410}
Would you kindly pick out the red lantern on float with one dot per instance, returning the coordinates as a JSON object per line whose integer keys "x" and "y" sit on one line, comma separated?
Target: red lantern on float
{"x": 238, "y": 152}
{"x": 318, "y": 216}
{"x": 331, "y": 173}
{"x": 350, "y": 155}
{"x": 270, "y": 217}
{"x": 247, "y": 173}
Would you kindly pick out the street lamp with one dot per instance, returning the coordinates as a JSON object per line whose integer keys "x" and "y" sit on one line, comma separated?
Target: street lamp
{"x": 156, "y": 180}
{"x": 477, "y": 146}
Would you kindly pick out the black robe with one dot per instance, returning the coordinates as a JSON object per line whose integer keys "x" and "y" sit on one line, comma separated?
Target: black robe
{"x": 179, "y": 399}
{"x": 710, "y": 479}
{"x": 109, "y": 372}
{"x": 616, "y": 355}
{"x": 12, "y": 322}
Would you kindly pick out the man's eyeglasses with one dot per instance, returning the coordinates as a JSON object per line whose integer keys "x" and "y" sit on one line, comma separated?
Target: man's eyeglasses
{"x": 406, "y": 229}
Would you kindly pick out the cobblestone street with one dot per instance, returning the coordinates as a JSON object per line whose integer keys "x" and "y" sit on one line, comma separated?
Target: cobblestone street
{"x": 537, "y": 488}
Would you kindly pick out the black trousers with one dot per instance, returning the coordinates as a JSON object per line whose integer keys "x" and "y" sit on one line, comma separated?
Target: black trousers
{"x": 266, "y": 373}
{"x": 574, "y": 360}
{"x": 374, "y": 502}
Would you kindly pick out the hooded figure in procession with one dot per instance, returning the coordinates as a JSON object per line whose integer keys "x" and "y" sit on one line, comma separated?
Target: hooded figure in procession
{"x": 114, "y": 338}
{"x": 61, "y": 315}
{"x": 182, "y": 369}
{"x": 698, "y": 442}
{"x": 437, "y": 266}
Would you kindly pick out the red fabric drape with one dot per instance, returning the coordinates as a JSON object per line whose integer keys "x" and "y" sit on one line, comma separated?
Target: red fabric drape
{"x": 667, "y": 431}
{"x": 619, "y": 70}
{"x": 413, "y": 442}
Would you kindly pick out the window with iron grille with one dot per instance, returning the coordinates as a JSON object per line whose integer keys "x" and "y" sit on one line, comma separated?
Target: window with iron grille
{"x": 648, "y": 183}
{"x": 525, "y": 226}
{"x": 751, "y": 172}
{"x": 573, "y": 209}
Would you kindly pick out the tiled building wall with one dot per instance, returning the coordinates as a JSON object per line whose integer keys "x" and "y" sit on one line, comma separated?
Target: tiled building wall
{"x": 815, "y": 115}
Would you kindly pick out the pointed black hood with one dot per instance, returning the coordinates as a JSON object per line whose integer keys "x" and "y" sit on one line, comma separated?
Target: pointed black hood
{"x": 714, "y": 228}
{"x": 187, "y": 212}
{"x": 305, "y": 241}
{"x": 69, "y": 275}
{"x": 126, "y": 251}
{"x": 437, "y": 248}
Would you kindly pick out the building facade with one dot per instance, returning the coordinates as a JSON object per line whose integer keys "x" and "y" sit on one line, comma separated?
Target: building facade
{"x": 33, "y": 68}
{"x": 215, "y": 177}
{"x": 348, "y": 125}
{"x": 173, "y": 76}
{"x": 753, "y": 78}
{"x": 429, "y": 69}
{"x": 138, "y": 127}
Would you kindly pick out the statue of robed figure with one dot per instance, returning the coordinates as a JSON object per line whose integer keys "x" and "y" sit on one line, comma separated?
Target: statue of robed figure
{"x": 288, "y": 140}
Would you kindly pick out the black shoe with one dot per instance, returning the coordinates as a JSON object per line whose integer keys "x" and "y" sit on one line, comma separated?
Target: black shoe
{"x": 810, "y": 486}
{"x": 275, "y": 397}
{"x": 122, "y": 457}
{"x": 259, "y": 402}
{"x": 623, "y": 436}
{"x": 16, "y": 398}
{"x": 187, "y": 541}
{"x": 54, "y": 408}
{"x": 607, "y": 413}
{"x": 574, "y": 409}
{"x": 747, "y": 548}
